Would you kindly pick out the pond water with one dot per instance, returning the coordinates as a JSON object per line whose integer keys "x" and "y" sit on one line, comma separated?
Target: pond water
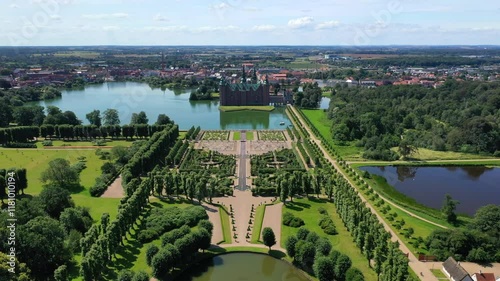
{"x": 131, "y": 97}
{"x": 243, "y": 266}
{"x": 472, "y": 186}
{"x": 325, "y": 103}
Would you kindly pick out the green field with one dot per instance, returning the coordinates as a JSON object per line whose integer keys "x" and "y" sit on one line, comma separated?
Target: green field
{"x": 439, "y": 274}
{"x": 250, "y": 135}
{"x": 237, "y": 135}
{"x": 241, "y": 108}
{"x": 226, "y": 226}
{"x": 35, "y": 161}
{"x": 307, "y": 209}
{"x": 323, "y": 124}
{"x": 257, "y": 226}
{"x": 80, "y": 54}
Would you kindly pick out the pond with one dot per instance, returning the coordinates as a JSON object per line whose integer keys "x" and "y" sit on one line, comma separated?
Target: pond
{"x": 472, "y": 186}
{"x": 131, "y": 97}
{"x": 243, "y": 266}
{"x": 325, "y": 103}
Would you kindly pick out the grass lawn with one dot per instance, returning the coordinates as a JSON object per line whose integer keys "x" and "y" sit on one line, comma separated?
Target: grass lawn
{"x": 257, "y": 226}
{"x": 215, "y": 95}
{"x": 35, "y": 161}
{"x": 97, "y": 205}
{"x": 226, "y": 226}
{"x": 237, "y": 135}
{"x": 432, "y": 155}
{"x": 133, "y": 254}
{"x": 250, "y": 135}
{"x": 323, "y": 124}
{"x": 439, "y": 274}
{"x": 241, "y": 108}
{"x": 307, "y": 209}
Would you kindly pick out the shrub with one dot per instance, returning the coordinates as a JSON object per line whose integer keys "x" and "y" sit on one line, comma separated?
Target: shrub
{"x": 290, "y": 220}
{"x": 20, "y": 145}
{"x": 326, "y": 223}
{"x": 147, "y": 235}
{"x": 99, "y": 142}
{"x": 322, "y": 211}
{"x": 47, "y": 143}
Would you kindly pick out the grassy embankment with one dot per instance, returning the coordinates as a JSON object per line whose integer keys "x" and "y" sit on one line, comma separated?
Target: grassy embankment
{"x": 307, "y": 209}
{"x": 257, "y": 226}
{"x": 242, "y": 108}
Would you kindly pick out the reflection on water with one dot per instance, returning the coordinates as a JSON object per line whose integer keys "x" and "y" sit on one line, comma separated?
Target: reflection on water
{"x": 472, "y": 186}
{"x": 131, "y": 97}
{"x": 243, "y": 266}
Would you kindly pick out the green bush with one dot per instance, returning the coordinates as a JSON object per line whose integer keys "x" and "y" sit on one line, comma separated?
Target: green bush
{"x": 47, "y": 143}
{"x": 322, "y": 211}
{"x": 290, "y": 220}
{"x": 326, "y": 223}
{"x": 147, "y": 236}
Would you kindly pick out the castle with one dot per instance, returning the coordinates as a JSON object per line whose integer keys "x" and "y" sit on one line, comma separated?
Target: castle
{"x": 243, "y": 93}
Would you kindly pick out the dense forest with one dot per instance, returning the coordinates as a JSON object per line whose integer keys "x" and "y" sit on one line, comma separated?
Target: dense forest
{"x": 458, "y": 116}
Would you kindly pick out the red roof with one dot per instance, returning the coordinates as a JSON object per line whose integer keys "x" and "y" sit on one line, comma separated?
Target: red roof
{"x": 484, "y": 276}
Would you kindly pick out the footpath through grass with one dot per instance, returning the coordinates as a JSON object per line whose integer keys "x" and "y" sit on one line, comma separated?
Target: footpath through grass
{"x": 307, "y": 209}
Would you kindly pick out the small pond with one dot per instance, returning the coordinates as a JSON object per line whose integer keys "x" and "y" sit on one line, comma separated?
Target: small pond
{"x": 243, "y": 267}
{"x": 472, "y": 186}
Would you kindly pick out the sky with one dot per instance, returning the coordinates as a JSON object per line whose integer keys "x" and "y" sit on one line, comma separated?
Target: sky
{"x": 248, "y": 22}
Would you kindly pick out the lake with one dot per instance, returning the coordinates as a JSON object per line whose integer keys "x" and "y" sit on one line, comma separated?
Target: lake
{"x": 130, "y": 97}
{"x": 472, "y": 186}
{"x": 243, "y": 266}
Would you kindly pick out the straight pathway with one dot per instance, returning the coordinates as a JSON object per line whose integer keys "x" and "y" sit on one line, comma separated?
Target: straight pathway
{"x": 418, "y": 267}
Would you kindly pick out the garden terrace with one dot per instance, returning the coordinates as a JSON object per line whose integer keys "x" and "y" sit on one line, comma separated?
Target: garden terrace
{"x": 267, "y": 163}
{"x": 271, "y": 136}
{"x": 215, "y": 135}
{"x": 208, "y": 160}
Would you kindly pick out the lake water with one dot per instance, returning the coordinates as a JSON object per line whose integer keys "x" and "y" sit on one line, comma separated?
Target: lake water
{"x": 130, "y": 97}
{"x": 243, "y": 267}
{"x": 472, "y": 186}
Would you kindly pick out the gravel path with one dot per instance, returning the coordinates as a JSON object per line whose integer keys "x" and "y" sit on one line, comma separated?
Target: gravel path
{"x": 214, "y": 217}
{"x": 272, "y": 219}
{"x": 115, "y": 190}
{"x": 417, "y": 266}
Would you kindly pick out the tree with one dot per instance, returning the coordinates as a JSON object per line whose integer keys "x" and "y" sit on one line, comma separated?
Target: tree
{"x": 354, "y": 274}
{"x": 487, "y": 219}
{"x": 60, "y": 172}
{"x": 40, "y": 244}
{"x": 55, "y": 200}
{"x": 151, "y": 251}
{"x": 268, "y": 237}
{"x": 77, "y": 218}
{"x": 163, "y": 119}
{"x": 141, "y": 276}
{"x": 61, "y": 273}
{"x": 203, "y": 239}
{"x": 165, "y": 260}
{"x": 22, "y": 179}
{"x": 302, "y": 233}
{"x": 305, "y": 254}
{"x": 125, "y": 275}
{"x": 94, "y": 117}
{"x": 3, "y": 186}
{"x": 111, "y": 117}
{"x": 139, "y": 118}
{"x": 323, "y": 269}
{"x": 323, "y": 246}
{"x": 448, "y": 209}
{"x": 405, "y": 149}
{"x": 290, "y": 246}
{"x": 29, "y": 115}
{"x": 206, "y": 224}
{"x": 342, "y": 264}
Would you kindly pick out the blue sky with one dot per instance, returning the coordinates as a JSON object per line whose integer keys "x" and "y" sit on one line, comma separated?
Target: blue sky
{"x": 249, "y": 22}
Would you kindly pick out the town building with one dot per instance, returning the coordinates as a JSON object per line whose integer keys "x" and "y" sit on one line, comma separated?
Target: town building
{"x": 455, "y": 271}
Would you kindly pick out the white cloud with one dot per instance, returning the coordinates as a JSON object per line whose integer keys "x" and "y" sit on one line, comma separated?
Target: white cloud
{"x": 328, "y": 24}
{"x": 221, "y": 6}
{"x": 159, "y": 17}
{"x": 55, "y": 17}
{"x": 105, "y": 16}
{"x": 264, "y": 27}
{"x": 252, "y": 9}
{"x": 111, "y": 28}
{"x": 215, "y": 28}
{"x": 166, "y": 28}
{"x": 14, "y": 6}
{"x": 301, "y": 22}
